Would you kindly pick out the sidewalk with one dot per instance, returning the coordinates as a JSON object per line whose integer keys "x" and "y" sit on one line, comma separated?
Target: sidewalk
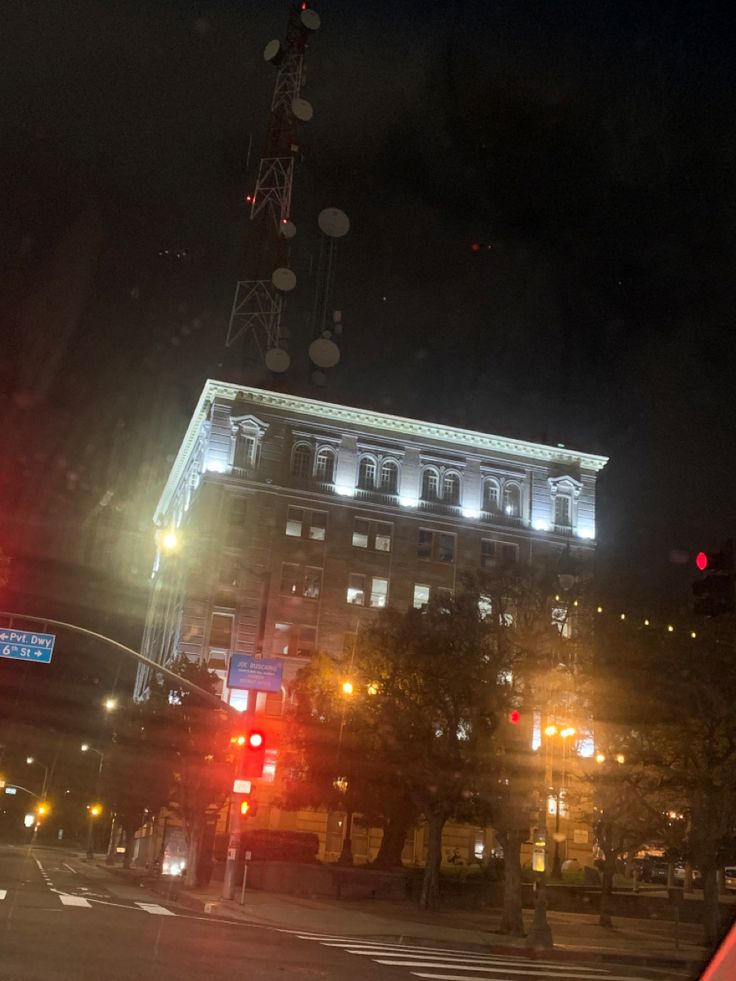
{"x": 576, "y": 937}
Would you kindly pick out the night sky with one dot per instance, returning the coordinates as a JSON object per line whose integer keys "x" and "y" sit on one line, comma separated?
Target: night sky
{"x": 590, "y": 145}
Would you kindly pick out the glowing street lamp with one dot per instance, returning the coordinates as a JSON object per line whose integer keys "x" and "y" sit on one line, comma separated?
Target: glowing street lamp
{"x": 110, "y": 704}
{"x": 347, "y": 688}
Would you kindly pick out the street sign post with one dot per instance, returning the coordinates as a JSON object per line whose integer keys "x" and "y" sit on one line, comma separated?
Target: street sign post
{"x": 24, "y": 645}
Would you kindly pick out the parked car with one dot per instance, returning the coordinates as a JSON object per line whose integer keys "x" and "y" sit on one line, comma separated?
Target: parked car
{"x": 680, "y": 875}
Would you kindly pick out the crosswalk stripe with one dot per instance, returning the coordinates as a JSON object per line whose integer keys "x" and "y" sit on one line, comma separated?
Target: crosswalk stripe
{"x": 527, "y": 972}
{"x": 75, "y": 901}
{"x": 155, "y": 909}
{"x": 3, "y": 893}
{"x": 459, "y": 957}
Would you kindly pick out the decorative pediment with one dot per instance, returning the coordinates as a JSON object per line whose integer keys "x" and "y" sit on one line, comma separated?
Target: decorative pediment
{"x": 248, "y": 423}
{"x": 565, "y": 484}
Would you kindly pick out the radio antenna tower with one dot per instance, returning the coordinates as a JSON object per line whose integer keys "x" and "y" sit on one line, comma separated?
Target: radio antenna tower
{"x": 266, "y": 276}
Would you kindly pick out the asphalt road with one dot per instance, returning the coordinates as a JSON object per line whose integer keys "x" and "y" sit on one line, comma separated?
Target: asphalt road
{"x": 60, "y": 918}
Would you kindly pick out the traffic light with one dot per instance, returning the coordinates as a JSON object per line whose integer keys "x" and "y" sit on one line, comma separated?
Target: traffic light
{"x": 514, "y": 717}
{"x": 714, "y": 594}
{"x": 248, "y": 808}
{"x": 254, "y": 754}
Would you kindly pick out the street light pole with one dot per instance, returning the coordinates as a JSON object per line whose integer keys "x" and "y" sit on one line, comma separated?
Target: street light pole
{"x": 86, "y": 748}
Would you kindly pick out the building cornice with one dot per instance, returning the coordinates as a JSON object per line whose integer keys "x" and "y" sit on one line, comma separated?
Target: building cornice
{"x": 362, "y": 419}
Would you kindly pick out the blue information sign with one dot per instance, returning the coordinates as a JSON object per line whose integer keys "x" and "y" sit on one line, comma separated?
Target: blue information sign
{"x": 261, "y": 674}
{"x": 24, "y": 645}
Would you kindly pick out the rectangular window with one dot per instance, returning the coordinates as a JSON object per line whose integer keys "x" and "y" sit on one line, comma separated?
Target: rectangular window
{"x": 273, "y": 703}
{"x": 561, "y": 621}
{"x": 379, "y": 592}
{"x": 487, "y": 553}
{"x": 361, "y": 530}
{"x": 229, "y": 569}
{"x": 562, "y": 511}
{"x": 317, "y": 525}
{"x": 421, "y": 596}
{"x": 306, "y": 641}
{"x": 312, "y": 582}
{"x": 356, "y": 589}
{"x": 509, "y": 554}
{"x": 445, "y": 548}
{"x": 294, "y": 522}
{"x": 221, "y": 630}
{"x": 485, "y": 607}
{"x": 281, "y": 638}
{"x": 236, "y": 511}
{"x": 289, "y": 579}
{"x": 443, "y": 595}
{"x": 383, "y": 537}
{"x": 424, "y": 548}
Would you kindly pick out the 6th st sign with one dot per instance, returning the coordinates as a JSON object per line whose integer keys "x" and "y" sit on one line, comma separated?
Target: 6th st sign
{"x": 23, "y": 645}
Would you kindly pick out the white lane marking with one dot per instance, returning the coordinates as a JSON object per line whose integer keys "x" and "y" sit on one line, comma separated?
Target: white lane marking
{"x": 74, "y": 900}
{"x": 3, "y": 893}
{"x": 38, "y": 863}
{"x": 156, "y": 909}
{"x": 69, "y": 867}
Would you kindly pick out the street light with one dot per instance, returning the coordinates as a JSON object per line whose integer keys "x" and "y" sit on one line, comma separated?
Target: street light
{"x": 86, "y": 748}
{"x": 110, "y": 704}
{"x": 32, "y": 761}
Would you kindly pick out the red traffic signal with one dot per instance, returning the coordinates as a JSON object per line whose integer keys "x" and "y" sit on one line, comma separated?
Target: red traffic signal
{"x": 248, "y": 808}
{"x": 514, "y": 717}
{"x": 253, "y": 755}
{"x": 255, "y": 740}
{"x": 701, "y": 561}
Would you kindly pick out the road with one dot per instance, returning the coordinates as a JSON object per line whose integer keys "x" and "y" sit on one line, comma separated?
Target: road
{"x": 60, "y": 918}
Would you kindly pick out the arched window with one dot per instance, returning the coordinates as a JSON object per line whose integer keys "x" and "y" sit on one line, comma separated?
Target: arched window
{"x": 451, "y": 488}
{"x": 246, "y": 448}
{"x": 390, "y": 477}
{"x": 325, "y": 466}
{"x": 301, "y": 461}
{"x": 490, "y": 495}
{"x": 430, "y": 485}
{"x": 367, "y": 473}
{"x": 512, "y": 500}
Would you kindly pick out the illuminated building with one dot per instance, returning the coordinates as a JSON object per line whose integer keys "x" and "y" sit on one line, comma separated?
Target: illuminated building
{"x": 287, "y": 522}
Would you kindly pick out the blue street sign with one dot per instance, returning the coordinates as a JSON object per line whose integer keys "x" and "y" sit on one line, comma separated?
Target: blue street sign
{"x": 261, "y": 674}
{"x": 24, "y": 645}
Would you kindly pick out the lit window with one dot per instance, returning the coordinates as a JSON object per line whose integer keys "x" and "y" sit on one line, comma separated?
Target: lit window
{"x": 325, "y": 466}
{"x": 421, "y": 596}
{"x": 451, "y": 488}
{"x": 430, "y": 485}
{"x": 289, "y": 578}
{"x": 294, "y": 522}
{"x": 367, "y": 474}
{"x": 239, "y": 700}
{"x": 356, "y": 589}
{"x": 221, "y": 630}
{"x": 390, "y": 477}
{"x": 281, "y": 638}
{"x": 379, "y": 592}
{"x": 424, "y": 548}
{"x": 383, "y": 537}
{"x": 485, "y": 607}
{"x": 312, "y": 582}
{"x": 561, "y": 621}
{"x": 274, "y": 703}
{"x": 317, "y": 525}
{"x": 445, "y": 548}
{"x": 487, "y": 553}
{"x": 301, "y": 461}
{"x": 512, "y": 500}
{"x": 490, "y": 495}
{"x": 361, "y": 530}
{"x": 246, "y": 449}
{"x": 562, "y": 511}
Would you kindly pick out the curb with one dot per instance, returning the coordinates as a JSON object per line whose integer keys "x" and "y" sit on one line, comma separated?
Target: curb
{"x": 602, "y": 957}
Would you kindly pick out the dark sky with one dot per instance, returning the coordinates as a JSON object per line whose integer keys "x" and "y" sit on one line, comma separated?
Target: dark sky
{"x": 591, "y": 145}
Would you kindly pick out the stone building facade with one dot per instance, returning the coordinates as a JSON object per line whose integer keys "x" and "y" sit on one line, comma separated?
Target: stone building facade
{"x": 295, "y": 520}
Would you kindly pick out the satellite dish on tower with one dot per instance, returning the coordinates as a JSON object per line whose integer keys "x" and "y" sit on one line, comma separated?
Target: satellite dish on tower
{"x": 277, "y": 360}
{"x": 333, "y": 222}
{"x": 324, "y": 352}
{"x": 302, "y": 110}
{"x": 310, "y": 19}
{"x": 283, "y": 279}
{"x": 273, "y": 53}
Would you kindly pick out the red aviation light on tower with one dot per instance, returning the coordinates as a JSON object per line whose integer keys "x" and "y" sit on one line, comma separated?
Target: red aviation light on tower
{"x": 701, "y": 561}
{"x": 304, "y": 5}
